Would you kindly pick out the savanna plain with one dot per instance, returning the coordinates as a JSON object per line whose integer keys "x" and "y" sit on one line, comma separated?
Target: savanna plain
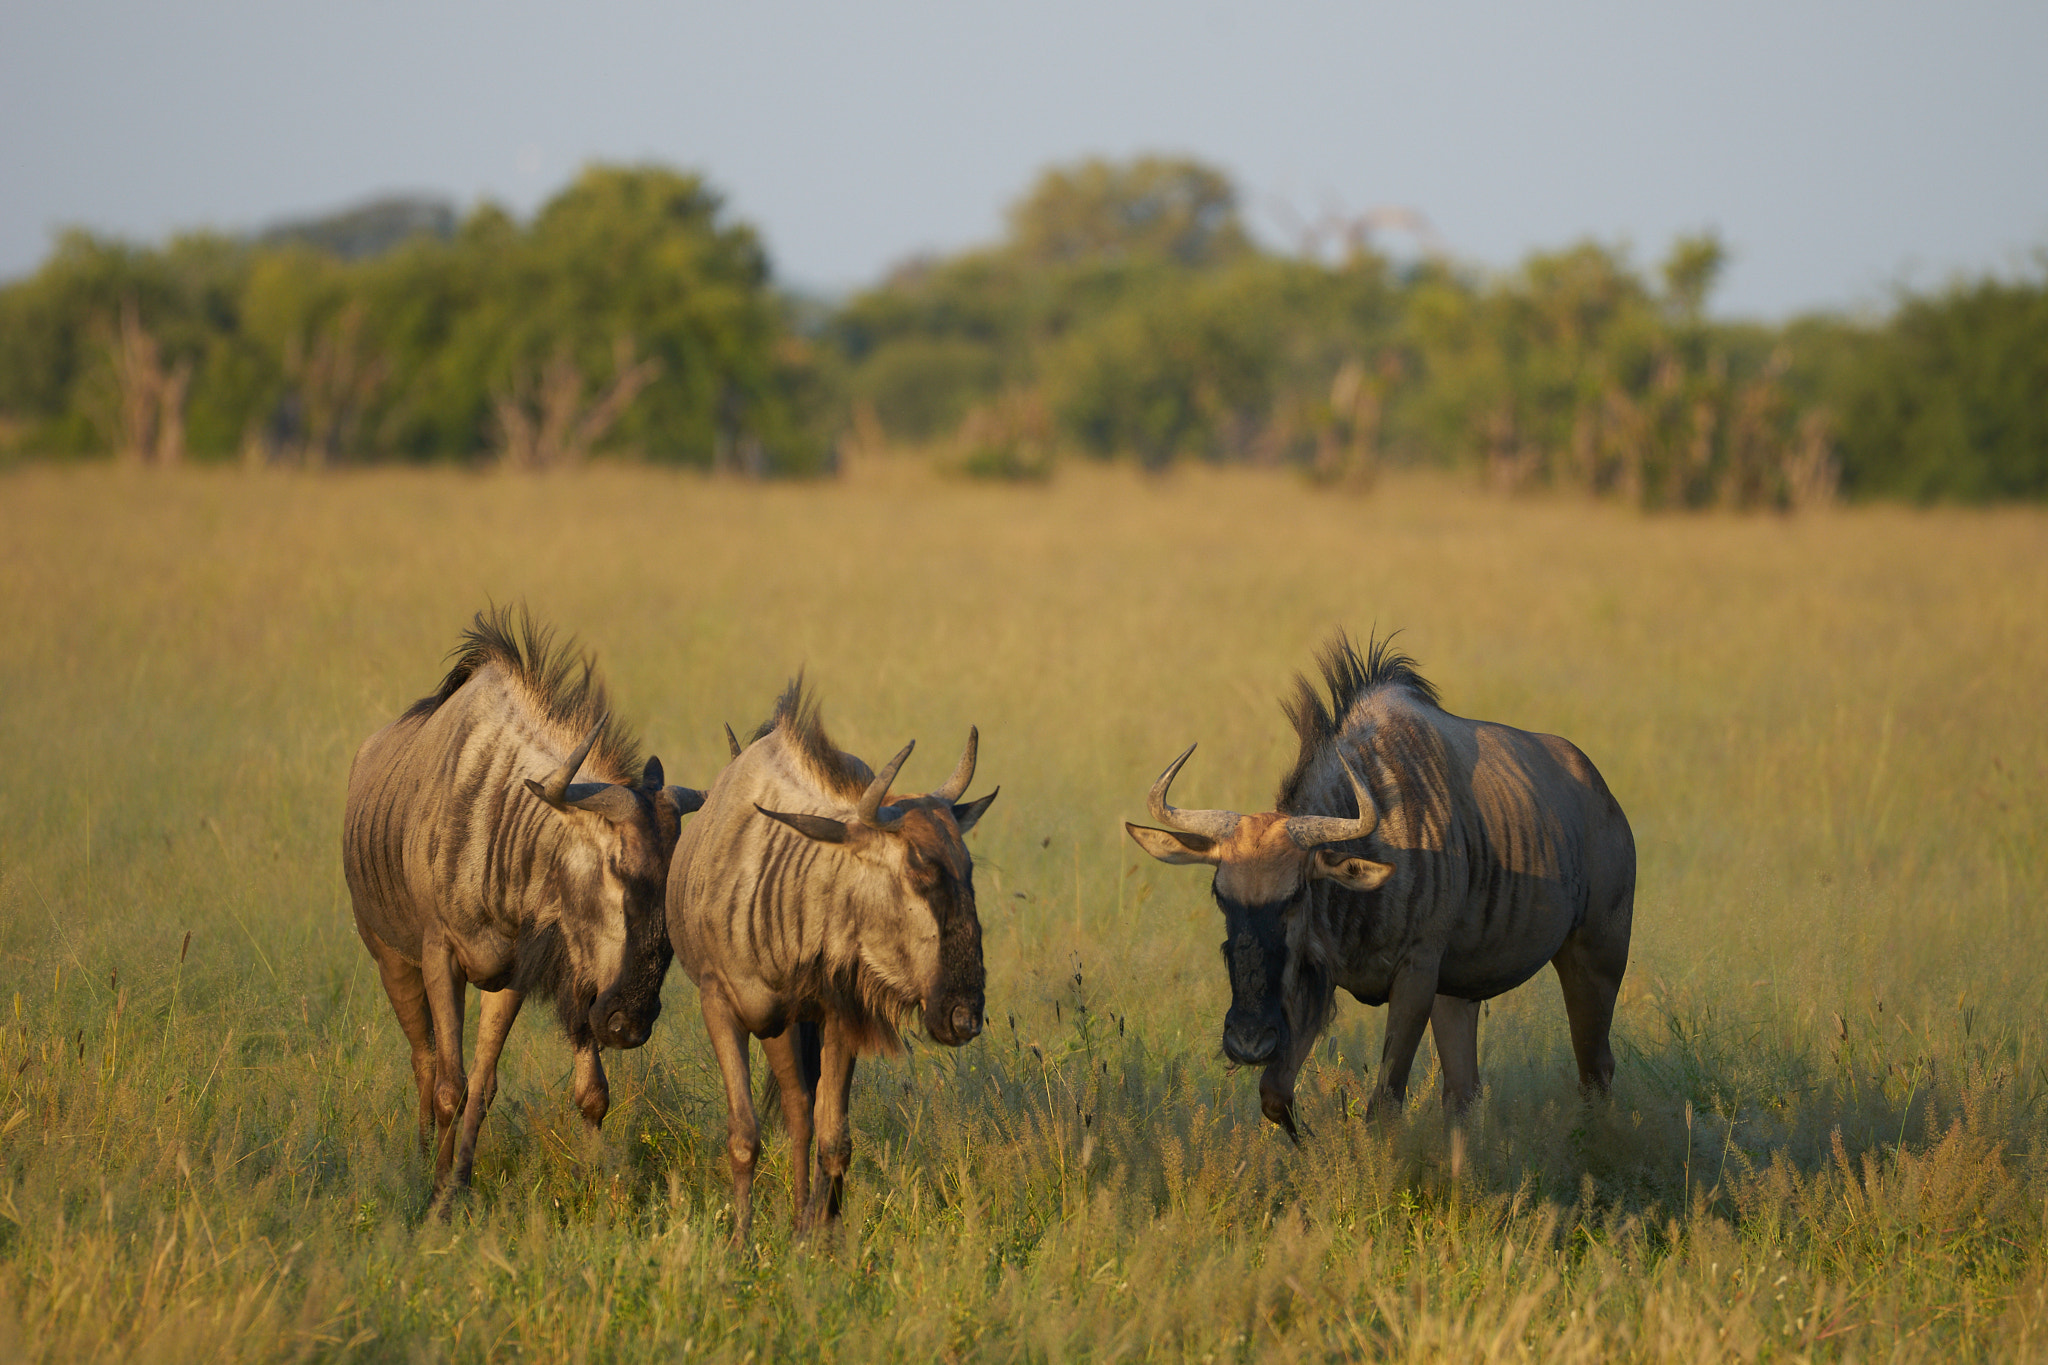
{"x": 1826, "y": 1138}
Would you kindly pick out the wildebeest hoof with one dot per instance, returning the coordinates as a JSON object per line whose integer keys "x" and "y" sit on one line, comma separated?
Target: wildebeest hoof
{"x": 442, "y": 1207}
{"x": 1281, "y": 1112}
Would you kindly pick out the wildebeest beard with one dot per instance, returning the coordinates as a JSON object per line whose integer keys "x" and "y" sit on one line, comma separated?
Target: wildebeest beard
{"x": 547, "y": 967}
{"x": 1277, "y": 994}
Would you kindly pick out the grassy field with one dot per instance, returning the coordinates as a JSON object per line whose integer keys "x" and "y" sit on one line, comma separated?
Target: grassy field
{"x": 1828, "y": 1136}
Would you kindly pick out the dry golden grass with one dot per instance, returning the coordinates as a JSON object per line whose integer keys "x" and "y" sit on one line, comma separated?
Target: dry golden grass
{"x": 1827, "y": 1134}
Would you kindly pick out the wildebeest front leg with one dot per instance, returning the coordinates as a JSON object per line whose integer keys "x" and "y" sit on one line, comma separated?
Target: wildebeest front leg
{"x": 1276, "y": 1082}
{"x": 1408, "y": 1008}
{"x": 593, "y": 1093}
{"x": 445, "y": 985}
{"x": 499, "y": 1010}
{"x": 798, "y": 1095}
{"x": 835, "y": 1137}
{"x": 742, "y": 1134}
{"x": 1454, "y": 1023}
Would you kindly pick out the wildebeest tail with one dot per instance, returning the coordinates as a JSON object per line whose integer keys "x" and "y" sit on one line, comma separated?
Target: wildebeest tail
{"x": 810, "y": 1054}
{"x": 810, "y": 1061}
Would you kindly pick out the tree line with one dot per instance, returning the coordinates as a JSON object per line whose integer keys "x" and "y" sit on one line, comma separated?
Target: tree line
{"x": 1125, "y": 314}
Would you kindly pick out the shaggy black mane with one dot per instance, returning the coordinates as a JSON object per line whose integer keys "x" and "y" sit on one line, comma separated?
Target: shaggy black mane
{"x": 1347, "y": 675}
{"x": 797, "y": 716}
{"x": 562, "y": 680}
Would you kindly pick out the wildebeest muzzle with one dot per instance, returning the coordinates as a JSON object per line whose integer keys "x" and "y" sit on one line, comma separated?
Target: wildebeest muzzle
{"x": 1255, "y": 1027}
{"x": 954, "y": 1020}
{"x": 615, "y": 1026}
{"x": 1250, "y": 1040}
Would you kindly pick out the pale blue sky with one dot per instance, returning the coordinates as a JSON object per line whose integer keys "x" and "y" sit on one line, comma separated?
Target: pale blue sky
{"x": 1839, "y": 147}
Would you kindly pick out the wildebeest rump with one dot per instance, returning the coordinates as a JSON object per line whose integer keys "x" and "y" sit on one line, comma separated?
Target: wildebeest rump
{"x": 1418, "y": 860}
{"x": 474, "y": 856}
{"x": 818, "y": 913}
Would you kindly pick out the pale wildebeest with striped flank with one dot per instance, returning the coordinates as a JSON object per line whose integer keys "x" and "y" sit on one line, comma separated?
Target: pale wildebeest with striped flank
{"x": 1418, "y": 860}
{"x": 819, "y": 913}
{"x": 474, "y": 856}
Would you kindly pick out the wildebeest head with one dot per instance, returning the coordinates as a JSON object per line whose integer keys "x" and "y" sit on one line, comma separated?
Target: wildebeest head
{"x": 915, "y": 846}
{"x": 1266, "y": 867}
{"x": 612, "y": 877}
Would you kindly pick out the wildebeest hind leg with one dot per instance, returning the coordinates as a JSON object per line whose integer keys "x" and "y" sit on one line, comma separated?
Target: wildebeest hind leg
{"x": 445, "y": 984}
{"x": 797, "y": 1090}
{"x": 499, "y": 1010}
{"x": 1591, "y": 979}
{"x": 408, "y": 992}
{"x": 1454, "y": 1023}
{"x": 742, "y": 1131}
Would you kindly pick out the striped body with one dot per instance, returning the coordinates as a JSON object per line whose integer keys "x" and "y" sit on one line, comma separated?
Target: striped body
{"x": 1418, "y": 860}
{"x": 822, "y": 930}
{"x": 792, "y": 928}
{"x": 1504, "y": 844}
{"x": 465, "y": 868}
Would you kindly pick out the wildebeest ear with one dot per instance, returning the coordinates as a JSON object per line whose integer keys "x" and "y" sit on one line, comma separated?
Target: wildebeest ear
{"x": 615, "y": 803}
{"x": 967, "y": 812}
{"x": 823, "y": 828}
{"x": 1358, "y": 874}
{"x": 1171, "y": 845}
{"x": 684, "y": 799}
{"x": 732, "y": 741}
{"x": 651, "y": 775}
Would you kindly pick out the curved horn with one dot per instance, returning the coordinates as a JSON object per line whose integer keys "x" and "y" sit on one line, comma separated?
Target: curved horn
{"x": 1211, "y": 824}
{"x": 1310, "y": 831}
{"x": 556, "y": 783}
{"x": 870, "y": 810}
{"x": 963, "y": 772}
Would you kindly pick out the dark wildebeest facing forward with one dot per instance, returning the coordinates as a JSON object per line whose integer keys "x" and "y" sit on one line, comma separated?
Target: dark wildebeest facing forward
{"x": 1419, "y": 860}
{"x": 474, "y": 856}
{"x": 818, "y": 912}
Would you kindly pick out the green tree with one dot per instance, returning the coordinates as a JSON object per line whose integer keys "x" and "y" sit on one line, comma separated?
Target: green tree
{"x": 1170, "y": 208}
{"x": 1949, "y": 400}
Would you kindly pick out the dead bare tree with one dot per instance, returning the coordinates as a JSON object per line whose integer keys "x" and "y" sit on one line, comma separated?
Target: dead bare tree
{"x": 148, "y": 407}
{"x": 1348, "y": 442}
{"x": 1344, "y": 235}
{"x": 549, "y": 421}
{"x": 336, "y": 377}
{"x": 331, "y": 378}
{"x": 1812, "y": 474}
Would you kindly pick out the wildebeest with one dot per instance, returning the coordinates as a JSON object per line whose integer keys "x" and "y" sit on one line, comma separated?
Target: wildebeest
{"x": 474, "y": 855}
{"x": 819, "y": 913}
{"x": 1419, "y": 860}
